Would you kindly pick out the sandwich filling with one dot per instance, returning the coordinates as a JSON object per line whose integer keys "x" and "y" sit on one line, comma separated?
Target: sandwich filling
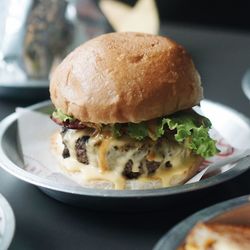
{"x": 153, "y": 149}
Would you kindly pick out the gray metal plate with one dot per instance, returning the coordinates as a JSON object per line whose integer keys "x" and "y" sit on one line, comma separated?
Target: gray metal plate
{"x": 233, "y": 126}
{"x": 176, "y": 235}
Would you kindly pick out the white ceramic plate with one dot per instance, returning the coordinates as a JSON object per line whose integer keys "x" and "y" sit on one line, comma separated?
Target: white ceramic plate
{"x": 7, "y": 224}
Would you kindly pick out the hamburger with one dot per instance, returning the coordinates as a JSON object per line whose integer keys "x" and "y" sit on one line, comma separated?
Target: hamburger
{"x": 124, "y": 102}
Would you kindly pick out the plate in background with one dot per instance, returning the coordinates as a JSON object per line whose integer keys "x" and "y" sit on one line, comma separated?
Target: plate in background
{"x": 229, "y": 126}
{"x": 174, "y": 238}
{"x": 7, "y": 224}
{"x": 246, "y": 84}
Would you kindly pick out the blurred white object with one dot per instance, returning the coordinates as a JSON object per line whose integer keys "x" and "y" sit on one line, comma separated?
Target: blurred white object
{"x": 13, "y": 17}
{"x": 12, "y": 28}
{"x": 143, "y": 17}
{"x": 11, "y": 72}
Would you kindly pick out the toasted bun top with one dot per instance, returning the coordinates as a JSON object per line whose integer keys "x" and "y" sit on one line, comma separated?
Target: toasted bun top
{"x": 125, "y": 77}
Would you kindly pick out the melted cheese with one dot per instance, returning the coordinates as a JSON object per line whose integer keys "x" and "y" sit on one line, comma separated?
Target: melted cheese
{"x": 106, "y": 163}
{"x": 70, "y": 139}
{"x": 151, "y": 156}
{"x": 191, "y": 247}
{"x": 102, "y": 154}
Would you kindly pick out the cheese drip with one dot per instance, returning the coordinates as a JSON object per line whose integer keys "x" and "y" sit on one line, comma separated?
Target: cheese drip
{"x": 108, "y": 156}
{"x": 102, "y": 154}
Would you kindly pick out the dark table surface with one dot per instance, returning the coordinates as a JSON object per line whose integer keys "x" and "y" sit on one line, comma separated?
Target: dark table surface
{"x": 222, "y": 57}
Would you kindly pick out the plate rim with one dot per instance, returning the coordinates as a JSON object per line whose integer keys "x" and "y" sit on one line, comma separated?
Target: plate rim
{"x": 245, "y": 83}
{"x": 9, "y": 225}
{"x": 32, "y": 83}
{"x": 204, "y": 214}
{"x": 20, "y": 173}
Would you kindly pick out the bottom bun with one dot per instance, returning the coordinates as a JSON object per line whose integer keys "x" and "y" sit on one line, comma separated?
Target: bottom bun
{"x": 91, "y": 177}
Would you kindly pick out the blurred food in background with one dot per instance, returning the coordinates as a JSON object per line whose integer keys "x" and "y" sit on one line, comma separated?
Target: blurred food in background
{"x": 142, "y": 17}
{"x": 48, "y": 34}
{"x": 12, "y": 27}
{"x": 217, "y": 236}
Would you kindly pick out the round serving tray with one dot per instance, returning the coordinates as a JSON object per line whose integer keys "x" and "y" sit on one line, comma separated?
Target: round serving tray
{"x": 227, "y": 121}
{"x": 174, "y": 238}
{"x": 7, "y": 223}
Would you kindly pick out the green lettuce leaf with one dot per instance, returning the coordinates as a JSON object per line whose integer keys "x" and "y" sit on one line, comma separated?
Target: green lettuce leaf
{"x": 159, "y": 132}
{"x": 116, "y": 130}
{"x": 58, "y": 114}
{"x": 188, "y": 128}
{"x": 193, "y": 133}
{"x": 137, "y": 131}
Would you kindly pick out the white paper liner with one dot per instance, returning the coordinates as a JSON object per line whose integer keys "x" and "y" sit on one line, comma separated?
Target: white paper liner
{"x": 35, "y": 130}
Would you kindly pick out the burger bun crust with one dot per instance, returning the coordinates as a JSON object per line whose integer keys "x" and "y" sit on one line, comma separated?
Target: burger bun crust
{"x": 125, "y": 77}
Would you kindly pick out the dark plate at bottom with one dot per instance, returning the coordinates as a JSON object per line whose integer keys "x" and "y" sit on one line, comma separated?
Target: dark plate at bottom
{"x": 173, "y": 239}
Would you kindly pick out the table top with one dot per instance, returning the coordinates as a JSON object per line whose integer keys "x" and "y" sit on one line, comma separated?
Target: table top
{"x": 221, "y": 57}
